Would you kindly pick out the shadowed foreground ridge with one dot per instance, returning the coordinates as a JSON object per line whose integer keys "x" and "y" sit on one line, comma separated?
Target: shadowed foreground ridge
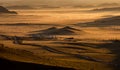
{"x": 14, "y": 65}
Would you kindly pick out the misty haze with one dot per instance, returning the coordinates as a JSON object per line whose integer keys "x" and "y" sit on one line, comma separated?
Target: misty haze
{"x": 60, "y": 35}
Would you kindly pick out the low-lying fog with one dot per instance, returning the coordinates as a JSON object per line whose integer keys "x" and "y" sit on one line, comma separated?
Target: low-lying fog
{"x": 56, "y": 16}
{"x": 61, "y": 18}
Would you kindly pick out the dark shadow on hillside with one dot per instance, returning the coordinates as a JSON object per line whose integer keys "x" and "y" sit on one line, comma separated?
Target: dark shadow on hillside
{"x": 83, "y": 44}
{"x": 14, "y": 65}
{"x": 53, "y": 50}
{"x": 45, "y": 48}
{"x": 114, "y": 47}
{"x": 77, "y": 48}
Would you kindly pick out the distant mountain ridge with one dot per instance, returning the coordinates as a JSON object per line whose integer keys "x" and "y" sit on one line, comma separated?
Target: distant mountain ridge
{"x": 106, "y": 9}
{"x": 110, "y": 21}
{"x": 4, "y": 10}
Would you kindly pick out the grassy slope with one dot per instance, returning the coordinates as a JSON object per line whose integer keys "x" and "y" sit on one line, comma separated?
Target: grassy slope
{"x": 55, "y": 54}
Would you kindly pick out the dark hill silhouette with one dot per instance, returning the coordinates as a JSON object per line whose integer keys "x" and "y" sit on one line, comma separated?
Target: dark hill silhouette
{"x": 4, "y": 10}
{"x": 65, "y": 31}
{"x": 50, "y": 29}
{"x": 70, "y": 28}
{"x": 106, "y": 9}
{"x": 62, "y": 31}
{"x": 108, "y": 5}
{"x": 15, "y": 65}
{"x": 46, "y": 30}
{"x": 110, "y": 21}
{"x": 57, "y": 31}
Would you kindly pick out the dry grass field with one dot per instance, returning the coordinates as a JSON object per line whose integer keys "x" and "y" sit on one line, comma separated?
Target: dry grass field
{"x": 92, "y": 45}
{"x": 88, "y": 50}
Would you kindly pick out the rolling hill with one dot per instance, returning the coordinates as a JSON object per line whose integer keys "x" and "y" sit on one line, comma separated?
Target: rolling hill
{"x": 106, "y": 9}
{"x": 104, "y": 22}
{"x": 58, "y": 31}
{"x": 4, "y": 10}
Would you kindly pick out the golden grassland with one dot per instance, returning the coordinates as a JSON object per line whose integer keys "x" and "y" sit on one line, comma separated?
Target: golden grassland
{"x": 91, "y": 48}
{"x": 71, "y": 55}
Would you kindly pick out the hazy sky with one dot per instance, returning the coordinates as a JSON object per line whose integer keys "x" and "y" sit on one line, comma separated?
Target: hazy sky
{"x": 57, "y": 2}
